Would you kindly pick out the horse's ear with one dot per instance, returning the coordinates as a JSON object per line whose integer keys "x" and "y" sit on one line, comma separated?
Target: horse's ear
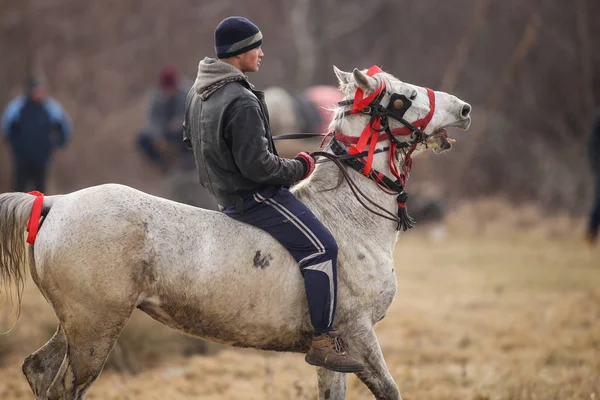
{"x": 343, "y": 77}
{"x": 365, "y": 82}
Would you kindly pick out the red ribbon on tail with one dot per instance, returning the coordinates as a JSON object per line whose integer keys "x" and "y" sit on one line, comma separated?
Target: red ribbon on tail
{"x": 36, "y": 213}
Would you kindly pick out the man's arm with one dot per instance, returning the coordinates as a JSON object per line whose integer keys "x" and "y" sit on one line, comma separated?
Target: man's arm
{"x": 246, "y": 132}
{"x": 11, "y": 116}
{"x": 154, "y": 116}
{"x": 60, "y": 117}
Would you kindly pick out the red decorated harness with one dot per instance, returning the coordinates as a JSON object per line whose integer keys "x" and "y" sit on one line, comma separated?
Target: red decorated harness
{"x": 378, "y": 130}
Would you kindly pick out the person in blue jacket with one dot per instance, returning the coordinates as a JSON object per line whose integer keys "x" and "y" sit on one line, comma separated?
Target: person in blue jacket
{"x": 34, "y": 125}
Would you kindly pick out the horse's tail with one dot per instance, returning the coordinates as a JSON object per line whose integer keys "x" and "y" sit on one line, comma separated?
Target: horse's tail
{"x": 15, "y": 210}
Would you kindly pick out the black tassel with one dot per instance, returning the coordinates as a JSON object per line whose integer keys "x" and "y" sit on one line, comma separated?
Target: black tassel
{"x": 405, "y": 221}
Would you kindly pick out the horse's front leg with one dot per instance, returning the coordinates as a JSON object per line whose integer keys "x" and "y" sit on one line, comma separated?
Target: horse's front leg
{"x": 376, "y": 375}
{"x": 332, "y": 385}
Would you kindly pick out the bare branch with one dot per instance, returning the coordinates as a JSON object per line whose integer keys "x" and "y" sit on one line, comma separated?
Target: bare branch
{"x": 304, "y": 41}
{"x": 587, "y": 69}
{"x": 496, "y": 97}
{"x": 464, "y": 47}
{"x": 210, "y": 11}
{"x": 521, "y": 51}
{"x": 130, "y": 47}
{"x": 352, "y": 18}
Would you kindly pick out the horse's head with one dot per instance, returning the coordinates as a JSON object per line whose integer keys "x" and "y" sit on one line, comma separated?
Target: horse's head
{"x": 403, "y": 108}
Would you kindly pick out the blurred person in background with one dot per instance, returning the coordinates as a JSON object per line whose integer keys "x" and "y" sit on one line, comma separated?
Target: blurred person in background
{"x": 160, "y": 140}
{"x": 34, "y": 125}
{"x": 227, "y": 126}
{"x": 594, "y": 153}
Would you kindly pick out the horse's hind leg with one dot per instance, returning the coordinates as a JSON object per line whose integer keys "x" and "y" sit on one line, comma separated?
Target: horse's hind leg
{"x": 41, "y": 367}
{"x": 91, "y": 334}
{"x": 332, "y": 385}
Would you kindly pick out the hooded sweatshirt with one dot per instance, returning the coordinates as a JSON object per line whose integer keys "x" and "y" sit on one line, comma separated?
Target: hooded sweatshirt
{"x": 213, "y": 74}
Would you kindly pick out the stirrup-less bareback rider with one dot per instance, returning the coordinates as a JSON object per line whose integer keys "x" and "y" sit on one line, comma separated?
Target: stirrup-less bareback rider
{"x": 227, "y": 126}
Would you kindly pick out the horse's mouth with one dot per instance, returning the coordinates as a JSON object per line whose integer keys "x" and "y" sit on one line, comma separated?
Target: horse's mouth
{"x": 442, "y": 141}
{"x": 439, "y": 141}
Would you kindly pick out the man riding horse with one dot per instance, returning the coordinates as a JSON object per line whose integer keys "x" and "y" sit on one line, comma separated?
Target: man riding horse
{"x": 178, "y": 263}
{"x": 227, "y": 126}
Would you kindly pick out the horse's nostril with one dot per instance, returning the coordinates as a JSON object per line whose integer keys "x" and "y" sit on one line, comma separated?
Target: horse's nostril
{"x": 465, "y": 111}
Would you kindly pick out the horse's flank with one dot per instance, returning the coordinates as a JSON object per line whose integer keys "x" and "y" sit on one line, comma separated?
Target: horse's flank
{"x": 186, "y": 268}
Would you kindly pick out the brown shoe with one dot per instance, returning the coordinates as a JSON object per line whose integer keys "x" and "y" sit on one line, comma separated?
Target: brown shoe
{"x": 328, "y": 350}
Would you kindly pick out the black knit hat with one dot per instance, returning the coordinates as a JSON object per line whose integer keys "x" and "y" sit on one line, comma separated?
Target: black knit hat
{"x": 236, "y": 35}
{"x": 31, "y": 84}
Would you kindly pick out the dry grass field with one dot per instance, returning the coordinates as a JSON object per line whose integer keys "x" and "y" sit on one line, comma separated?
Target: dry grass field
{"x": 504, "y": 306}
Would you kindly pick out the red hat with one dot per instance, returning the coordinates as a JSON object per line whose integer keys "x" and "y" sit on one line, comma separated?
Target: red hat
{"x": 168, "y": 76}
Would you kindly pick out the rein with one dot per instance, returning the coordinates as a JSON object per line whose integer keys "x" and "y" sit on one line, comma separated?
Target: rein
{"x": 356, "y": 190}
{"x": 341, "y": 158}
{"x": 286, "y": 136}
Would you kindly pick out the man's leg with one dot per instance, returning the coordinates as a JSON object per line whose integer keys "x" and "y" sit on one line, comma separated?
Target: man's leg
{"x": 37, "y": 175}
{"x": 19, "y": 177}
{"x": 180, "y": 156}
{"x": 147, "y": 144}
{"x": 594, "y": 221}
{"x": 311, "y": 244}
{"x": 289, "y": 221}
{"x": 315, "y": 250}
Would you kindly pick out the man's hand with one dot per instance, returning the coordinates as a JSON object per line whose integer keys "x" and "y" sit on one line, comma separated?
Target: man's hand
{"x": 308, "y": 162}
{"x": 162, "y": 145}
{"x": 175, "y": 125}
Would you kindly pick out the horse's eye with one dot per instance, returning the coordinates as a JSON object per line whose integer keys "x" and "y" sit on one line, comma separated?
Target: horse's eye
{"x": 413, "y": 95}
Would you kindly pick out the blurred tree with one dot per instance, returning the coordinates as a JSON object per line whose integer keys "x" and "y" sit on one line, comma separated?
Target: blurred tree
{"x": 529, "y": 68}
{"x": 17, "y": 52}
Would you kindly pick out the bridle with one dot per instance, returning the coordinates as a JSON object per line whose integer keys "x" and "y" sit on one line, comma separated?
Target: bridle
{"x": 378, "y": 123}
{"x": 378, "y": 130}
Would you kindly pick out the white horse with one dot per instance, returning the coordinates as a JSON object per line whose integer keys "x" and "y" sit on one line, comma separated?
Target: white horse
{"x": 103, "y": 251}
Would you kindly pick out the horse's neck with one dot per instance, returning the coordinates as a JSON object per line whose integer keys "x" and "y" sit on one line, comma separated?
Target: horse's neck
{"x": 342, "y": 213}
{"x": 350, "y": 222}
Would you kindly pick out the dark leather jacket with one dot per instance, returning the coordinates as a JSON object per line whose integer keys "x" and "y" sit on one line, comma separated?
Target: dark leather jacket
{"x": 232, "y": 143}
